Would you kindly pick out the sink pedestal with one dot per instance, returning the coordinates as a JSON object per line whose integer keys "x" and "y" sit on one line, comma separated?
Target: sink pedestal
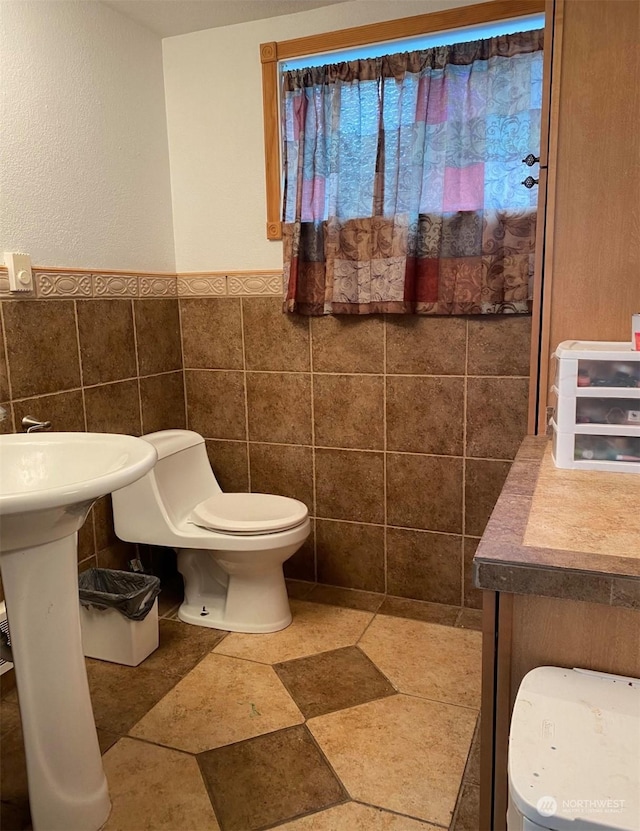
{"x": 48, "y": 483}
{"x": 67, "y": 785}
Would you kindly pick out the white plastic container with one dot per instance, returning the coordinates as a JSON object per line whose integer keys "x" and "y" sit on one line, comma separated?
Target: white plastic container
{"x": 597, "y": 420}
{"x": 110, "y": 636}
{"x": 574, "y": 752}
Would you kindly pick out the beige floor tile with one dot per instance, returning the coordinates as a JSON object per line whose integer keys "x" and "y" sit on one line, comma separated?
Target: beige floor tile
{"x": 315, "y": 628}
{"x": 355, "y": 817}
{"x": 155, "y": 789}
{"x": 222, "y": 700}
{"x": 425, "y": 659}
{"x": 402, "y": 753}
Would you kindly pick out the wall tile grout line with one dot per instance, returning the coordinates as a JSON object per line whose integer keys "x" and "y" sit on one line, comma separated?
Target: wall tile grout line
{"x": 8, "y": 368}
{"x": 80, "y": 367}
{"x": 330, "y": 447}
{"x": 385, "y": 441}
{"x": 464, "y": 464}
{"x": 135, "y": 349}
{"x": 128, "y": 379}
{"x": 246, "y": 392}
{"x": 313, "y": 451}
{"x": 91, "y": 516}
{"x": 358, "y": 374}
{"x": 184, "y": 371}
{"x": 346, "y": 449}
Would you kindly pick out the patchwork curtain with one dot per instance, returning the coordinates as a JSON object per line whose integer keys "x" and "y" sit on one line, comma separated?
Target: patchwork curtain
{"x": 402, "y": 188}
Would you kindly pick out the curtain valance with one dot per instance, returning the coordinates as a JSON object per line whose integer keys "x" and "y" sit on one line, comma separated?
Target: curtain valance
{"x": 403, "y": 180}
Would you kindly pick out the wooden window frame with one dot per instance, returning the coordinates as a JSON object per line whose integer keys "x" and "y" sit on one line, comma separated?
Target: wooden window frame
{"x": 388, "y": 30}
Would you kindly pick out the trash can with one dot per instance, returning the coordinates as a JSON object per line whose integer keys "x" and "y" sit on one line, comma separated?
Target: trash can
{"x": 118, "y": 615}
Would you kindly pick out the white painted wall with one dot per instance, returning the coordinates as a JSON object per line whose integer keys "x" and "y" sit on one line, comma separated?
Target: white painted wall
{"x": 213, "y": 87}
{"x": 84, "y": 172}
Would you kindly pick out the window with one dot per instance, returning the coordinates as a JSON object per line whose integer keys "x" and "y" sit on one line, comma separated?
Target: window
{"x": 403, "y": 180}
{"x": 273, "y": 53}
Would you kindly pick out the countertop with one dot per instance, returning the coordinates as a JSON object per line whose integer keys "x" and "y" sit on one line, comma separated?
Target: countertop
{"x": 563, "y": 533}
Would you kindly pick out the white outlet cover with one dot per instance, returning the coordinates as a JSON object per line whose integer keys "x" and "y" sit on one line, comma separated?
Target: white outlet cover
{"x": 19, "y": 269}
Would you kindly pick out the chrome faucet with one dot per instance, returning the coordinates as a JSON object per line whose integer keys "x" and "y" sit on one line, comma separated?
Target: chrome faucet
{"x": 32, "y": 425}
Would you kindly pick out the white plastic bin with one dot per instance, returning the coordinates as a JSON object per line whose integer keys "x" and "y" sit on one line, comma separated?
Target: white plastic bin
{"x": 574, "y": 752}
{"x": 109, "y": 636}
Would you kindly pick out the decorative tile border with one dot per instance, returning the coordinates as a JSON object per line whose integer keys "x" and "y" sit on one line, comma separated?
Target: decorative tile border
{"x": 62, "y": 285}
{"x": 158, "y": 287}
{"x": 202, "y": 285}
{"x": 255, "y": 284}
{"x": 115, "y": 286}
{"x": 58, "y": 284}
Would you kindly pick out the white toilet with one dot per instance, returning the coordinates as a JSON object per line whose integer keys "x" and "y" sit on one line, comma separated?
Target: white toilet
{"x": 231, "y": 546}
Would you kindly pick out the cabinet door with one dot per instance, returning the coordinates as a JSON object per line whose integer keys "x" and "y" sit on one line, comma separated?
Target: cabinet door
{"x": 591, "y": 263}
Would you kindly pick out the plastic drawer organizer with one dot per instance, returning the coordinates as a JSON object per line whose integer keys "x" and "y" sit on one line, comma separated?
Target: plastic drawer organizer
{"x": 597, "y": 419}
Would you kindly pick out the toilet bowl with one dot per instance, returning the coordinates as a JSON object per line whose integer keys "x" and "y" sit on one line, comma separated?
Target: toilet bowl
{"x": 231, "y": 546}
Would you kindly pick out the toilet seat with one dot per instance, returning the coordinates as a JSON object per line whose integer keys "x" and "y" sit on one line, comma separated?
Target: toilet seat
{"x": 248, "y": 513}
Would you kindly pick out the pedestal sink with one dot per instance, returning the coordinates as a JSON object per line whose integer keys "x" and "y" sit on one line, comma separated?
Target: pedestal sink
{"x": 48, "y": 483}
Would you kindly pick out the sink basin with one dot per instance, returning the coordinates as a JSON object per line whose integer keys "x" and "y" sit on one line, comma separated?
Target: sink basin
{"x": 48, "y": 483}
{"x": 55, "y": 477}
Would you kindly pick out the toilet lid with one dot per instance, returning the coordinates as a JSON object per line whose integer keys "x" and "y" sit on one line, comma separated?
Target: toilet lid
{"x": 249, "y": 513}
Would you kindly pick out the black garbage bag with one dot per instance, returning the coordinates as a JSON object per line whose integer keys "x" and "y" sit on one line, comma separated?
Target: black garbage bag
{"x": 131, "y": 594}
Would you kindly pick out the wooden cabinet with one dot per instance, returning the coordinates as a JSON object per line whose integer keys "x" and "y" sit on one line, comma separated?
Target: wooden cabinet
{"x": 589, "y": 281}
{"x": 561, "y": 588}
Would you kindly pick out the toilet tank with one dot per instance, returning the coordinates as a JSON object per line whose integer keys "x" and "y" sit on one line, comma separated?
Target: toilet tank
{"x": 166, "y": 495}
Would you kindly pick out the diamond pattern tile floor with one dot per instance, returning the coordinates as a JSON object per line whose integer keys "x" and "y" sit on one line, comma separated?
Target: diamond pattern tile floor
{"x": 332, "y": 681}
{"x": 352, "y": 816}
{"x": 315, "y": 628}
{"x": 402, "y": 753}
{"x": 437, "y": 662}
{"x": 222, "y": 700}
{"x": 155, "y": 788}
{"x": 262, "y": 781}
{"x": 348, "y": 720}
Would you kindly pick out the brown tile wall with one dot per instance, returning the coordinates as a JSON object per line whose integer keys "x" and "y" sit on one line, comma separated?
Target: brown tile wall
{"x": 101, "y": 365}
{"x": 397, "y": 432}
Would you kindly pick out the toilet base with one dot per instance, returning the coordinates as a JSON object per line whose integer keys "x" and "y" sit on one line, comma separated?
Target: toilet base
{"x": 216, "y": 620}
{"x": 233, "y": 598}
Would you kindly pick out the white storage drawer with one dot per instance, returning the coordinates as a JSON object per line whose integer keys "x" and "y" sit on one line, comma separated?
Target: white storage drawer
{"x": 590, "y": 366}
{"x": 589, "y": 413}
{"x": 597, "y": 420}
{"x": 596, "y": 451}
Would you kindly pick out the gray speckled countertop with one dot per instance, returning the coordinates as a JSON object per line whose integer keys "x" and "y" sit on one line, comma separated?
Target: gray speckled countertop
{"x": 563, "y": 533}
